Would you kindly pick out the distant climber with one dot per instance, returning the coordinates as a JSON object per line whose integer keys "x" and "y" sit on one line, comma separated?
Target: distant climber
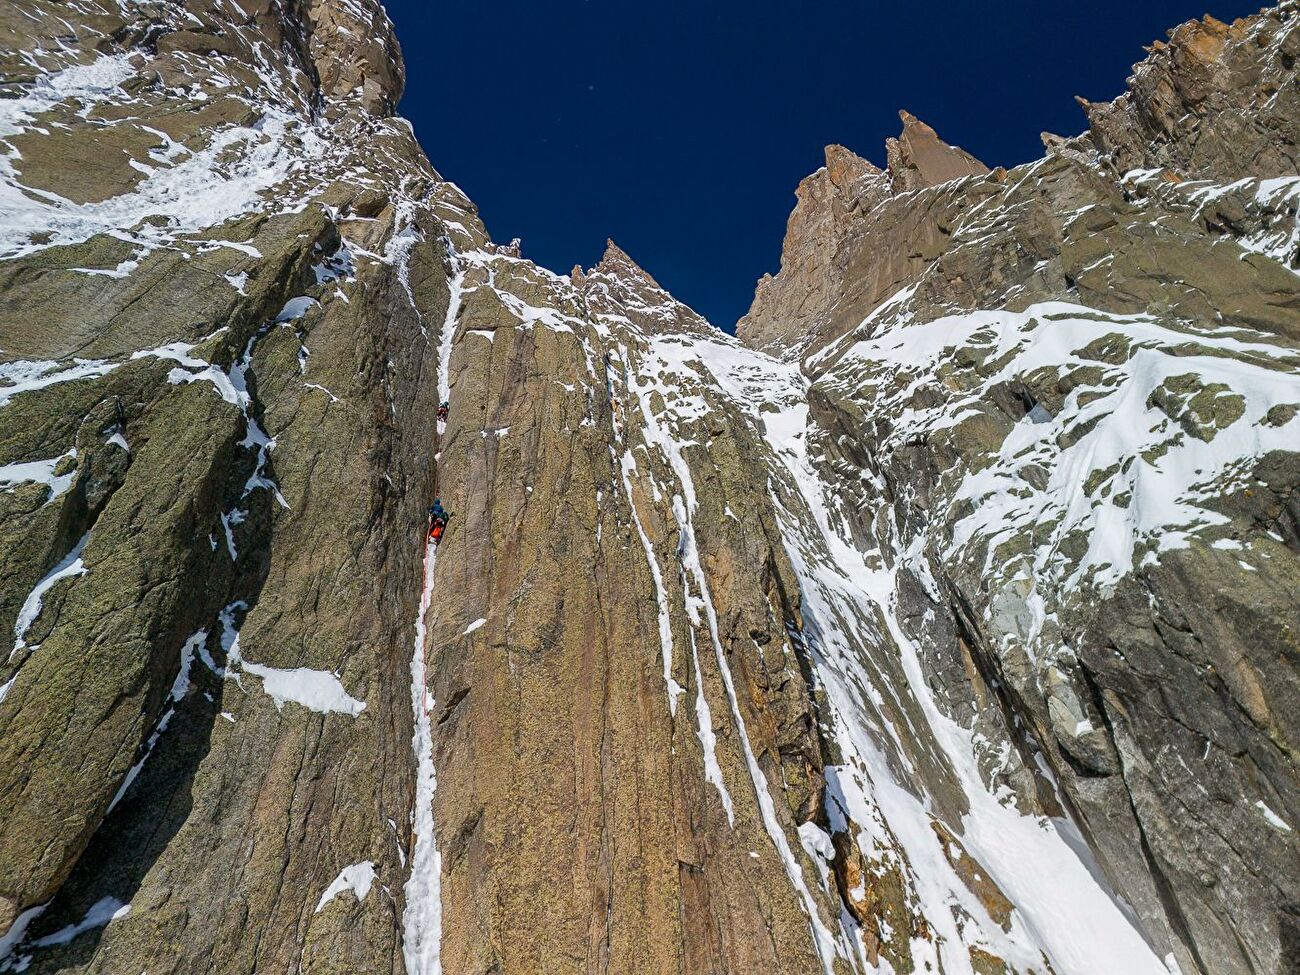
{"x": 438, "y": 518}
{"x": 444, "y": 408}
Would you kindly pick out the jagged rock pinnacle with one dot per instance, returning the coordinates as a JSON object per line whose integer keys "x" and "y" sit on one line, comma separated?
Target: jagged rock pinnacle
{"x": 1216, "y": 100}
{"x": 919, "y": 158}
{"x": 617, "y": 261}
{"x": 618, "y": 283}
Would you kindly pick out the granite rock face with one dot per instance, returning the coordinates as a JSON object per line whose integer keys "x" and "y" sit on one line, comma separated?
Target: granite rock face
{"x": 945, "y": 621}
{"x": 1213, "y": 102}
{"x": 215, "y": 383}
{"x": 1016, "y": 380}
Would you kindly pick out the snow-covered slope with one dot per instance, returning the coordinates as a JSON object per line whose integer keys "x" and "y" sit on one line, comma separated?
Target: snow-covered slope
{"x": 885, "y": 809}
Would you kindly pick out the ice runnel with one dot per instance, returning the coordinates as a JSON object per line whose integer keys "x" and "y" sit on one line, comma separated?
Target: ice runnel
{"x": 422, "y": 918}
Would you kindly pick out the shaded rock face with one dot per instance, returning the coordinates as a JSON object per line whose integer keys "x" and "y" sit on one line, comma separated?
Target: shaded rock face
{"x": 946, "y": 622}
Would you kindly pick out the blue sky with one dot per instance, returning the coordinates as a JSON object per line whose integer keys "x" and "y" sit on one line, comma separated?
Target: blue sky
{"x": 681, "y": 129}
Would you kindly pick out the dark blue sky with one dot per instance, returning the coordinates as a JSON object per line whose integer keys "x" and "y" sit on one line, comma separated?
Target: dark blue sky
{"x": 681, "y": 128}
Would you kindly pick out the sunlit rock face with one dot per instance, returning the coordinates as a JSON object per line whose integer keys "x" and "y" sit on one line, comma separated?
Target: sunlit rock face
{"x": 943, "y": 621}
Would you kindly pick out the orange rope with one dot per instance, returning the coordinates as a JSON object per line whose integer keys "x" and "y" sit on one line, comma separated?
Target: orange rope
{"x": 424, "y": 643}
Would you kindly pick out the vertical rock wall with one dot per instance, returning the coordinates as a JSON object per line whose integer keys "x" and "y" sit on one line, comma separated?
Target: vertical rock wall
{"x": 794, "y": 660}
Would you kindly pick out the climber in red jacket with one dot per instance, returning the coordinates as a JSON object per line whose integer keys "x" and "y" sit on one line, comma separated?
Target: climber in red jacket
{"x": 438, "y": 518}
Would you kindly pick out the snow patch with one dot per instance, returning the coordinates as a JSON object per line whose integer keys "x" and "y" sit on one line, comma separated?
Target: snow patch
{"x": 28, "y": 376}
{"x": 356, "y": 878}
{"x": 70, "y": 566}
{"x": 296, "y": 308}
{"x": 102, "y": 913}
{"x": 40, "y": 472}
{"x": 1273, "y": 818}
{"x": 316, "y": 690}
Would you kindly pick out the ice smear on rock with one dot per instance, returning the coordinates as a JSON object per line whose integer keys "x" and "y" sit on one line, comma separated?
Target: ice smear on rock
{"x": 826, "y": 943}
{"x": 103, "y": 912}
{"x": 180, "y": 688}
